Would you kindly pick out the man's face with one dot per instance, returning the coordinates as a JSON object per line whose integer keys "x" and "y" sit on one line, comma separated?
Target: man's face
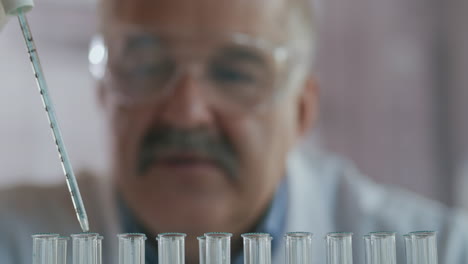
{"x": 197, "y": 159}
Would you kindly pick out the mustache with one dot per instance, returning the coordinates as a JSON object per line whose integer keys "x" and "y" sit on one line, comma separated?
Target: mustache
{"x": 160, "y": 141}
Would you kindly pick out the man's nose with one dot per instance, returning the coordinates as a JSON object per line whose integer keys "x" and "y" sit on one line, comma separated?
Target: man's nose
{"x": 187, "y": 105}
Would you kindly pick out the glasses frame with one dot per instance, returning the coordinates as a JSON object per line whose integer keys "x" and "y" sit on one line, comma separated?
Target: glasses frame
{"x": 281, "y": 53}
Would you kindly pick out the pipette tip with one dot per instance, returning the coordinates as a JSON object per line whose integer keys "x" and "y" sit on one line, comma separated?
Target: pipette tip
{"x": 84, "y": 224}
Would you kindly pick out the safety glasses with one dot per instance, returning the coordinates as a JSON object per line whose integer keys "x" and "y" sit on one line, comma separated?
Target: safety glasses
{"x": 234, "y": 71}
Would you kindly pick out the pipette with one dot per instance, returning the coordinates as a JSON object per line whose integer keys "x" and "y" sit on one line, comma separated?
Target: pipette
{"x": 19, "y": 8}
{"x": 49, "y": 108}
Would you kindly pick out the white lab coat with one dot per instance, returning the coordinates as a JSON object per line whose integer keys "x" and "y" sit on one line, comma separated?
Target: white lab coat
{"x": 326, "y": 194}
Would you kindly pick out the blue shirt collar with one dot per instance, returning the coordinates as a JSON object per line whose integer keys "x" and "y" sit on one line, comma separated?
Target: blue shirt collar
{"x": 273, "y": 222}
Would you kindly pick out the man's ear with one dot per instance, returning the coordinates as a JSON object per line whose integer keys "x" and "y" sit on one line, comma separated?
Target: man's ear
{"x": 308, "y": 106}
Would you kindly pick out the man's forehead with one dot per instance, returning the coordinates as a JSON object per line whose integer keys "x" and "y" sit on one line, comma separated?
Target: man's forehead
{"x": 263, "y": 18}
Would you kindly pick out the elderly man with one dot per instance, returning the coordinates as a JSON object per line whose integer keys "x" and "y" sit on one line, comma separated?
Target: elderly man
{"x": 207, "y": 101}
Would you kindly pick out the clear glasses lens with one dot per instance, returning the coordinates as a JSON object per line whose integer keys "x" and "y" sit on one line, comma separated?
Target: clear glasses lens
{"x": 235, "y": 70}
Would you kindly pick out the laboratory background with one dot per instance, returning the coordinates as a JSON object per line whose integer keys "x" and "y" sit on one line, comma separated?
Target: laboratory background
{"x": 394, "y": 93}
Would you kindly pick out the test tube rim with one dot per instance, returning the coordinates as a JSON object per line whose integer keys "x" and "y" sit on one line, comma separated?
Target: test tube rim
{"x": 298, "y": 235}
{"x": 338, "y": 235}
{"x": 84, "y": 235}
{"x": 132, "y": 236}
{"x": 382, "y": 234}
{"x": 45, "y": 235}
{"x": 171, "y": 234}
{"x": 201, "y": 238}
{"x": 422, "y": 234}
{"x": 63, "y": 238}
{"x": 218, "y": 235}
{"x": 257, "y": 235}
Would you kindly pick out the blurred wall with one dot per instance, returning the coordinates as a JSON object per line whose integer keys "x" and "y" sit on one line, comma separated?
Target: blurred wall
{"x": 394, "y": 89}
{"x": 376, "y": 76}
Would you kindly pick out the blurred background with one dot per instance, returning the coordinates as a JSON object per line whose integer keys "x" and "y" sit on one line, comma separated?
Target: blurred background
{"x": 394, "y": 93}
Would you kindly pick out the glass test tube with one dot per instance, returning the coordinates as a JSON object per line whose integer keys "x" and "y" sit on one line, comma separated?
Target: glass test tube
{"x": 382, "y": 248}
{"x": 99, "y": 250}
{"x": 339, "y": 248}
{"x": 131, "y": 248}
{"x": 257, "y": 248}
{"x": 298, "y": 247}
{"x": 367, "y": 249}
{"x": 84, "y": 248}
{"x": 202, "y": 249}
{"x": 408, "y": 248}
{"x": 218, "y": 248}
{"x": 62, "y": 244}
{"x": 45, "y": 248}
{"x": 171, "y": 248}
{"x": 422, "y": 247}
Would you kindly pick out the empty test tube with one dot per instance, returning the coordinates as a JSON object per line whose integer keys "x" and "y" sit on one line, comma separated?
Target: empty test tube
{"x": 298, "y": 247}
{"x": 367, "y": 249}
{"x": 45, "y": 248}
{"x": 218, "y": 248}
{"x": 132, "y": 248}
{"x": 339, "y": 248}
{"x": 84, "y": 248}
{"x": 408, "y": 249}
{"x": 99, "y": 250}
{"x": 62, "y": 244}
{"x": 171, "y": 248}
{"x": 421, "y": 247}
{"x": 381, "y": 248}
{"x": 257, "y": 248}
{"x": 202, "y": 249}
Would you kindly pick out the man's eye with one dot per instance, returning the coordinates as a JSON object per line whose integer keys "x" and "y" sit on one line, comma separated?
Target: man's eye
{"x": 150, "y": 70}
{"x": 226, "y": 74}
